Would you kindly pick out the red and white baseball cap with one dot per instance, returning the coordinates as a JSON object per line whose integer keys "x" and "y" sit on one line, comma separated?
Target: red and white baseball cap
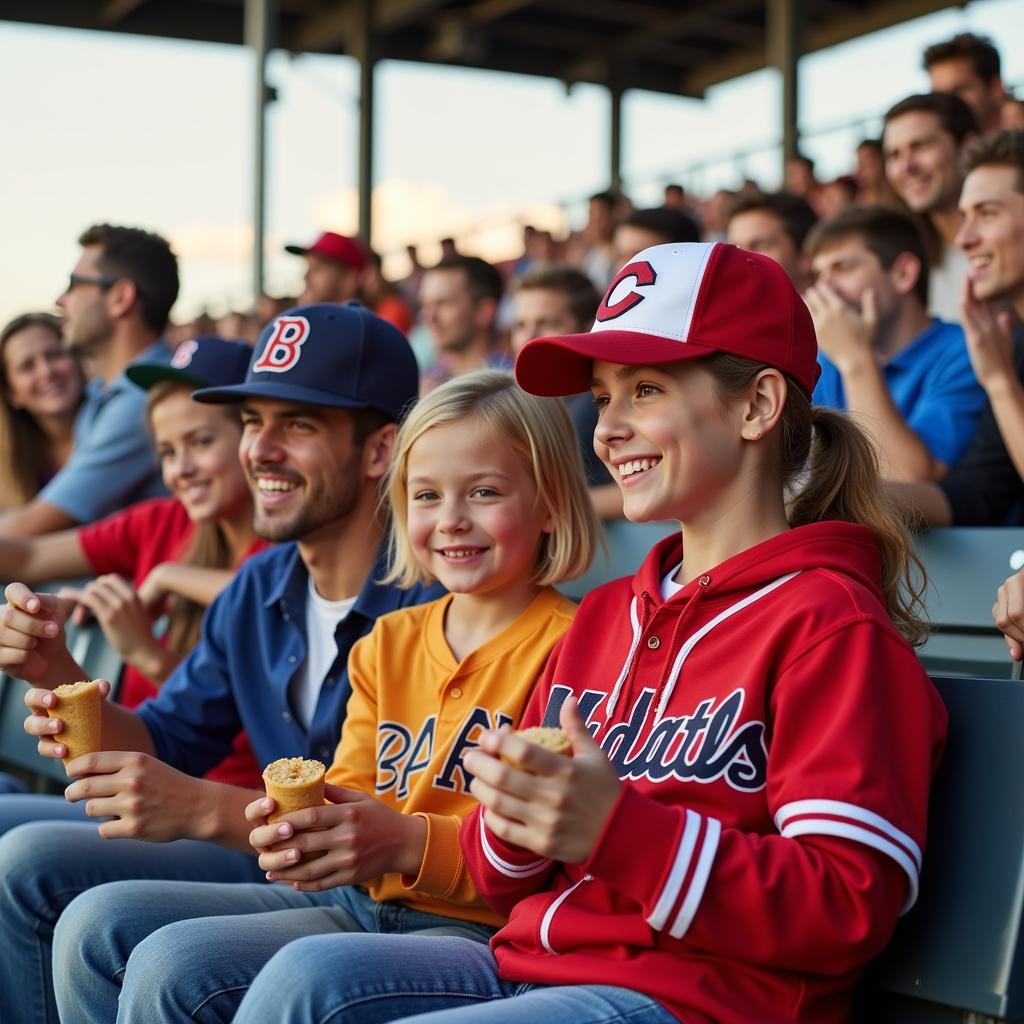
{"x": 679, "y": 301}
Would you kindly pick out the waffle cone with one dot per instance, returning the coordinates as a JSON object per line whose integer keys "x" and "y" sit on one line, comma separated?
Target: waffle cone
{"x": 550, "y": 739}
{"x": 80, "y": 708}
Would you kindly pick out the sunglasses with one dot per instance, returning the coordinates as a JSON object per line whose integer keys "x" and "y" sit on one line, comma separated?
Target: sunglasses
{"x": 102, "y": 282}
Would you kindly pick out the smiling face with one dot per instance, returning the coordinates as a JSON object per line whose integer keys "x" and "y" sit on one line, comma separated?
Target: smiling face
{"x": 40, "y": 374}
{"x": 198, "y": 450}
{"x": 473, "y": 516}
{"x": 303, "y": 466}
{"x": 666, "y": 438}
{"x": 992, "y": 234}
{"x": 921, "y": 161}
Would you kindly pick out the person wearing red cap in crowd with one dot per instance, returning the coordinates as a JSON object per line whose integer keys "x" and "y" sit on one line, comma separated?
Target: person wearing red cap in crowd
{"x": 741, "y": 819}
{"x": 342, "y": 269}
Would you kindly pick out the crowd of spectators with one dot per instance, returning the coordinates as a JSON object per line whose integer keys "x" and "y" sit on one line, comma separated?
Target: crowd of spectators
{"x": 911, "y": 265}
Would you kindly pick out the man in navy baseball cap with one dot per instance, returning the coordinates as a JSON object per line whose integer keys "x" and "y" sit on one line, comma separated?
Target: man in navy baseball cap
{"x": 203, "y": 362}
{"x": 339, "y": 357}
{"x": 319, "y": 405}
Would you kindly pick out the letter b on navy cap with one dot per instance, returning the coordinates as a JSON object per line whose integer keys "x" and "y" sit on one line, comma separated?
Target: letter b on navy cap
{"x": 343, "y": 357}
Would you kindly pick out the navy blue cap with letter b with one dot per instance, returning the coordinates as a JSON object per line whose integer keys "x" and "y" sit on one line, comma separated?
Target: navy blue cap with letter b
{"x": 203, "y": 362}
{"x": 342, "y": 357}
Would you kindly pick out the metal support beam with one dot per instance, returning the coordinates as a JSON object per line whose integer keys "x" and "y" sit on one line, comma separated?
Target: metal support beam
{"x": 785, "y": 40}
{"x": 615, "y": 133}
{"x": 257, "y": 38}
{"x": 364, "y": 36}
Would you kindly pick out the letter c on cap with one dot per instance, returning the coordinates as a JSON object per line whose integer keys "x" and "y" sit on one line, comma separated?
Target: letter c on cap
{"x": 643, "y": 273}
{"x": 284, "y": 346}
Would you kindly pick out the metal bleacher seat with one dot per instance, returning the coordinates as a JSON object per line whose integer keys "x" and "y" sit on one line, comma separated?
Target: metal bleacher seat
{"x": 628, "y": 544}
{"x": 965, "y": 567}
{"x": 959, "y": 951}
{"x": 89, "y": 647}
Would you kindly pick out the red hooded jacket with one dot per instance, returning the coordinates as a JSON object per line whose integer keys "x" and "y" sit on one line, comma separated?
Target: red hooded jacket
{"x": 776, "y": 738}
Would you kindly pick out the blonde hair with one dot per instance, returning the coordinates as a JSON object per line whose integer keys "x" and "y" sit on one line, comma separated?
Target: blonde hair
{"x": 840, "y": 481}
{"x": 208, "y": 549}
{"x": 539, "y": 432}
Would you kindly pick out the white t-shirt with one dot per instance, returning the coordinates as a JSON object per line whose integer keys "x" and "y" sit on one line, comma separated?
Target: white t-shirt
{"x": 669, "y": 587}
{"x": 946, "y": 284}
{"x": 322, "y": 618}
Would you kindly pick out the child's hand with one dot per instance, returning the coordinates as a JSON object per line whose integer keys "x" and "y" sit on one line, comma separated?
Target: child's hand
{"x": 362, "y": 839}
{"x": 559, "y": 806}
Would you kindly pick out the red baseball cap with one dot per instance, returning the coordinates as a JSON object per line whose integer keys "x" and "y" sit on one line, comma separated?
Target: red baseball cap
{"x": 679, "y": 301}
{"x": 331, "y": 246}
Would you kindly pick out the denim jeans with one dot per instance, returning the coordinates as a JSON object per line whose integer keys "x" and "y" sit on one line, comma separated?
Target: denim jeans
{"x": 369, "y": 979}
{"x": 9, "y": 784}
{"x": 45, "y": 864}
{"x": 177, "y": 951}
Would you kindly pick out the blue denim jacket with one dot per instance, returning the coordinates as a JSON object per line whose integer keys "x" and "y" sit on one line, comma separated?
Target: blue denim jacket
{"x": 253, "y": 641}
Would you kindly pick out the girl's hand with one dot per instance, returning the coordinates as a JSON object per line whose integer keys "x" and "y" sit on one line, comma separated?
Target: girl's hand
{"x": 125, "y": 622}
{"x": 557, "y": 807}
{"x": 32, "y": 645}
{"x": 362, "y": 839}
{"x": 152, "y": 591}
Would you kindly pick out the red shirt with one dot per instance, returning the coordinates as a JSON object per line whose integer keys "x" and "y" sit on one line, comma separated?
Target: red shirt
{"x": 131, "y": 543}
{"x": 776, "y": 739}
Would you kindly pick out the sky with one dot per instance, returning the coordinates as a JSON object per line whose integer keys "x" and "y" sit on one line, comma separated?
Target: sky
{"x": 158, "y": 133}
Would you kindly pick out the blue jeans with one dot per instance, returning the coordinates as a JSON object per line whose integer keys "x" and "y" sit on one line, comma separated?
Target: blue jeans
{"x": 177, "y": 951}
{"x": 45, "y": 864}
{"x": 369, "y": 979}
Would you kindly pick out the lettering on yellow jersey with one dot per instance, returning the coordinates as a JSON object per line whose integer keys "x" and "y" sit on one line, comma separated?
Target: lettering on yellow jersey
{"x": 401, "y": 755}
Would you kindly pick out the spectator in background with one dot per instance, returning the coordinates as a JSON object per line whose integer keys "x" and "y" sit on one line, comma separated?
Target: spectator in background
{"x": 714, "y": 214}
{"x": 335, "y": 265}
{"x": 238, "y": 324}
{"x": 774, "y": 224}
{"x": 1011, "y": 115}
{"x": 410, "y": 284}
{"x": 383, "y": 297}
{"x": 674, "y": 197}
{"x": 41, "y": 388}
{"x": 922, "y": 139}
{"x": 171, "y": 554}
{"x": 968, "y": 66}
{"x": 873, "y": 188}
{"x": 904, "y": 377}
{"x": 837, "y": 195}
{"x": 448, "y": 249}
{"x": 644, "y": 228}
{"x": 598, "y": 261}
{"x": 986, "y": 488}
{"x": 459, "y": 301}
{"x": 800, "y": 180}
{"x": 115, "y": 308}
{"x": 557, "y": 300}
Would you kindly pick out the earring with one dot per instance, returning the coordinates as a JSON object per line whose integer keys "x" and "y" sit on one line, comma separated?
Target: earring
{"x": 756, "y": 436}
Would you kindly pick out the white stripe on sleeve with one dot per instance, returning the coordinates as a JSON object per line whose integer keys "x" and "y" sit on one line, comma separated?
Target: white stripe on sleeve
{"x": 709, "y": 848}
{"x": 505, "y": 867}
{"x": 681, "y": 864}
{"x": 848, "y": 821}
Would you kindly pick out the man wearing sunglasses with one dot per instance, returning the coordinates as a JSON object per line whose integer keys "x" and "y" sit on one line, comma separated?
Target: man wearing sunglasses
{"x": 115, "y": 309}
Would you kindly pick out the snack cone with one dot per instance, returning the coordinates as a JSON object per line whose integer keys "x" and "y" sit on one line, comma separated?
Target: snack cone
{"x": 80, "y": 708}
{"x": 294, "y": 783}
{"x": 550, "y": 739}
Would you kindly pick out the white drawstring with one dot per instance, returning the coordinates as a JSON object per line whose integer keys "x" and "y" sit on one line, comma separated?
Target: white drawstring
{"x": 617, "y": 688}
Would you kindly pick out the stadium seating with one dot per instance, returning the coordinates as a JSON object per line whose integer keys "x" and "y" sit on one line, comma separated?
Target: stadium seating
{"x": 960, "y": 951}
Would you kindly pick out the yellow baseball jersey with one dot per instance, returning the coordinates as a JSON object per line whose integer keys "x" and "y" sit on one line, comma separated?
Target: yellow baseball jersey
{"x": 420, "y": 710}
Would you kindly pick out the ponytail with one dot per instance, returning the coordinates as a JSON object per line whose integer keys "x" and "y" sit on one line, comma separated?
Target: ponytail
{"x": 830, "y": 471}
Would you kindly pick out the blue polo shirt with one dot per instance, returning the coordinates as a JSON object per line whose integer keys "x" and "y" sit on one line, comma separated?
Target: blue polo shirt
{"x": 253, "y": 641}
{"x": 113, "y": 463}
{"x": 932, "y": 384}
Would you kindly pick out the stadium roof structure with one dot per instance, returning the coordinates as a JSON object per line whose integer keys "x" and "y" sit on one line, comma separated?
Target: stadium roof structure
{"x": 680, "y": 47}
{"x": 669, "y": 46}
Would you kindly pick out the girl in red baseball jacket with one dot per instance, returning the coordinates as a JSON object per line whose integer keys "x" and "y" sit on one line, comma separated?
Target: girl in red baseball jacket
{"x": 743, "y": 815}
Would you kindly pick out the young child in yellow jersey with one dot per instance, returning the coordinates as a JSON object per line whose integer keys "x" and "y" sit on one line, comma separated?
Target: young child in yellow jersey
{"x": 487, "y": 497}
